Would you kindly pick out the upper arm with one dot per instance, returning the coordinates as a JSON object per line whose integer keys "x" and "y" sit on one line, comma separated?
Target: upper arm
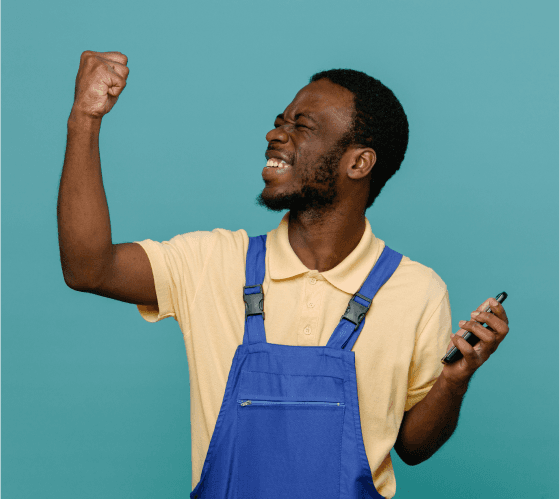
{"x": 128, "y": 277}
{"x": 399, "y": 445}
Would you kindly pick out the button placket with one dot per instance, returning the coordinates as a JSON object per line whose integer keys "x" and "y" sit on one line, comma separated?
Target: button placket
{"x": 312, "y": 293}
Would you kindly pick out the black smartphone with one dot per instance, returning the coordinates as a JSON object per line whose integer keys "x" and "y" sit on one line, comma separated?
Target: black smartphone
{"x": 455, "y": 354}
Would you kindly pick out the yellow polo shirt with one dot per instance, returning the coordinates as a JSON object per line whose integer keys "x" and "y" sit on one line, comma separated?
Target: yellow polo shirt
{"x": 199, "y": 278}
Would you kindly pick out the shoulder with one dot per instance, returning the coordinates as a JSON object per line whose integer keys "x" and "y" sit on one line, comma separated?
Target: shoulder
{"x": 220, "y": 250}
{"x": 421, "y": 277}
{"x": 221, "y": 238}
{"x": 195, "y": 248}
{"x": 425, "y": 296}
{"x": 417, "y": 289}
{"x": 229, "y": 243}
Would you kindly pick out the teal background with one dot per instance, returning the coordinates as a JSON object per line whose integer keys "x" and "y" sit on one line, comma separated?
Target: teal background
{"x": 95, "y": 401}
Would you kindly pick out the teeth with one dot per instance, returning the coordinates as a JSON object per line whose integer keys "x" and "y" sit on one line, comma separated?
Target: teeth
{"x": 273, "y": 162}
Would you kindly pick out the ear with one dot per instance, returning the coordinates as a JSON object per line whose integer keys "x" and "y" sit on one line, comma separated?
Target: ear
{"x": 363, "y": 160}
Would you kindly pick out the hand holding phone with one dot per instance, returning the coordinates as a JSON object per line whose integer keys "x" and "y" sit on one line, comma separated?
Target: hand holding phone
{"x": 455, "y": 354}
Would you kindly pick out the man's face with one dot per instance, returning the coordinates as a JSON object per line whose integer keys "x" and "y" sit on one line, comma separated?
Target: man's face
{"x": 310, "y": 137}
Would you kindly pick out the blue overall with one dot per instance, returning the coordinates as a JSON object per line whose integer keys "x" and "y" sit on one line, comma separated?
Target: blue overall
{"x": 289, "y": 425}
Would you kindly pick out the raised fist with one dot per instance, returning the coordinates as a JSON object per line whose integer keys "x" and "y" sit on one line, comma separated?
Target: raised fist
{"x": 101, "y": 78}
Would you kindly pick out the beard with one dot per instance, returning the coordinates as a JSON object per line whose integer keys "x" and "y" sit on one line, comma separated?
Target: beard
{"x": 318, "y": 185}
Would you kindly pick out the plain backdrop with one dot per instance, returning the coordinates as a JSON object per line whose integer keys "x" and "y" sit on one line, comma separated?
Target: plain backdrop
{"x": 95, "y": 401}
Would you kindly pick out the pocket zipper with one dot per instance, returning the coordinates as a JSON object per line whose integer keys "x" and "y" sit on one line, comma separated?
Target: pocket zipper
{"x": 248, "y": 402}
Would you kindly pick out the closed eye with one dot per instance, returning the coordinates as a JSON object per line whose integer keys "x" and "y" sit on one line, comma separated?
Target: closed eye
{"x": 298, "y": 125}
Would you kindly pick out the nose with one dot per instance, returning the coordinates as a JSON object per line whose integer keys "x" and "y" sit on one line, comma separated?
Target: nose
{"x": 277, "y": 134}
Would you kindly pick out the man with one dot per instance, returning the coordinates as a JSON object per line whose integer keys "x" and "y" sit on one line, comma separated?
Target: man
{"x": 329, "y": 154}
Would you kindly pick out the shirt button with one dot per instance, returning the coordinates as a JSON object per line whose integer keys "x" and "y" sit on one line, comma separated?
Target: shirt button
{"x": 312, "y": 281}
{"x": 307, "y": 330}
{"x": 310, "y": 304}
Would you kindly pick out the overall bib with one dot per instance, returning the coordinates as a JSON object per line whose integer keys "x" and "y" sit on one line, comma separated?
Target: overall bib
{"x": 289, "y": 425}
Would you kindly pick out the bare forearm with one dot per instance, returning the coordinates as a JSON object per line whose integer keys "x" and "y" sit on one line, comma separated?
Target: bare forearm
{"x": 430, "y": 423}
{"x": 84, "y": 227}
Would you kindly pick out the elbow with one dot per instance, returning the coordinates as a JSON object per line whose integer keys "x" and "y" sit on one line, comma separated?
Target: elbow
{"x": 401, "y": 452}
{"x": 81, "y": 278}
{"x": 411, "y": 460}
{"x": 408, "y": 457}
{"x": 75, "y": 285}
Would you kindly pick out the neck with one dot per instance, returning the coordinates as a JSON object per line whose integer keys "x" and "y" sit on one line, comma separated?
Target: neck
{"x": 323, "y": 240}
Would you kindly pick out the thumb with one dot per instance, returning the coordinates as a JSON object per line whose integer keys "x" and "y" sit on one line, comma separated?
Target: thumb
{"x": 451, "y": 345}
{"x": 115, "y": 90}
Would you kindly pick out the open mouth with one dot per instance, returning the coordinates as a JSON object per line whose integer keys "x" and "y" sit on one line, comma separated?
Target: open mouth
{"x": 279, "y": 164}
{"x": 275, "y": 168}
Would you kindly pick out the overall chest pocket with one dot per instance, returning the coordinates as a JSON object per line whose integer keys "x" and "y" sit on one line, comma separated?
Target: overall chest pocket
{"x": 289, "y": 435}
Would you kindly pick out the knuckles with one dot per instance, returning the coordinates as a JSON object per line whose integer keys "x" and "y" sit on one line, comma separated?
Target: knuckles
{"x": 481, "y": 332}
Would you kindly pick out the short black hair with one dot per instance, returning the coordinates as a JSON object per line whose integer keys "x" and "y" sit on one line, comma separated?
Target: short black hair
{"x": 380, "y": 123}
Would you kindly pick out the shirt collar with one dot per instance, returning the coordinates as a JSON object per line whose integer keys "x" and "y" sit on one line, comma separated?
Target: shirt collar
{"x": 348, "y": 276}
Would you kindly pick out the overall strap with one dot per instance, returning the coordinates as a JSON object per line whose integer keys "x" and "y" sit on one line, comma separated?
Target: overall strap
{"x": 352, "y": 321}
{"x": 252, "y": 291}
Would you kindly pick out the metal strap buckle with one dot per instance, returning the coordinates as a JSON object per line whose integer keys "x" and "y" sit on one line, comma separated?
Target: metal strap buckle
{"x": 355, "y": 312}
{"x": 254, "y": 302}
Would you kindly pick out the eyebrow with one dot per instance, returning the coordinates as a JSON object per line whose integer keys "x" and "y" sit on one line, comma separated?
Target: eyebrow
{"x": 304, "y": 115}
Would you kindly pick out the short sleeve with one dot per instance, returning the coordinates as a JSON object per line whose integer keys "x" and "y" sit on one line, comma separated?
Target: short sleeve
{"x": 177, "y": 267}
{"x": 430, "y": 347}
